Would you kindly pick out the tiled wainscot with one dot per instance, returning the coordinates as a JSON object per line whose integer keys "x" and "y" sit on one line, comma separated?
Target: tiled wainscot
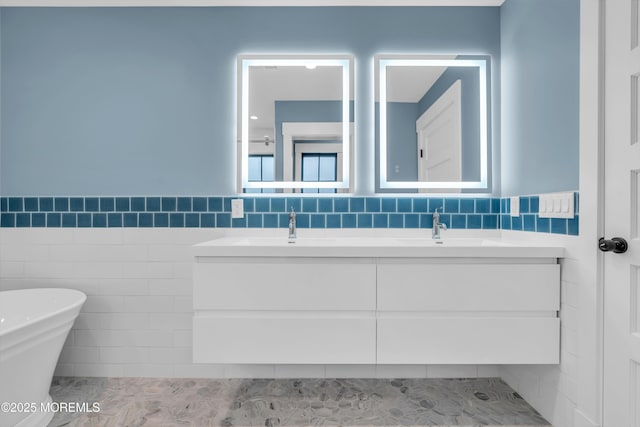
{"x": 273, "y": 212}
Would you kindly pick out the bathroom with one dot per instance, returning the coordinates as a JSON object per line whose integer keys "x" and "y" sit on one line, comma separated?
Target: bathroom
{"x": 118, "y": 154}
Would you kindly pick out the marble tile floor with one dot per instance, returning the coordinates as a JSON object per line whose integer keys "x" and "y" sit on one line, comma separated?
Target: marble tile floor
{"x": 292, "y": 402}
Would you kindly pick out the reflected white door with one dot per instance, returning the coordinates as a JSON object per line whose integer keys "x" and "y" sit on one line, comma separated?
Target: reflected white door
{"x": 440, "y": 139}
{"x": 622, "y": 198}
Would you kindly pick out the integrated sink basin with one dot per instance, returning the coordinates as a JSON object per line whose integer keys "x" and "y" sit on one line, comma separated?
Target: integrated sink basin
{"x": 362, "y": 241}
{"x": 370, "y": 246}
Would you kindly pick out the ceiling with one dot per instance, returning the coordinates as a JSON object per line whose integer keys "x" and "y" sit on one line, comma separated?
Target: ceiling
{"x": 138, "y": 3}
{"x": 271, "y": 84}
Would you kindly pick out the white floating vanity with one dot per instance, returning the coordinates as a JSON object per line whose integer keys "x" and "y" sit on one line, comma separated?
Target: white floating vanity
{"x": 370, "y": 300}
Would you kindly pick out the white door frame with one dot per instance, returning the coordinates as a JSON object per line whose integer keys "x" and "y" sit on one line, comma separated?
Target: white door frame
{"x": 589, "y": 401}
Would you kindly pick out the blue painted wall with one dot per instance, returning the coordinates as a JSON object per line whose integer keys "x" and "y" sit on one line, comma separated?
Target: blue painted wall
{"x": 0, "y": 101}
{"x": 141, "y": 101}
{"x": 540, "y": 96}
{"x": 401, "y": 141}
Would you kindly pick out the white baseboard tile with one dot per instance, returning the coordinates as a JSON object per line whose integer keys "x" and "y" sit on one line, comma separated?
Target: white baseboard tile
{"x": 452, "y": 371}
{"x": 580, "y": 419}
{"x": 555, "y": 408}
{"x": 71, "y": 355}
{"x": 249, "y": 371}
{"x": 488, "y": 371}
{"x": 401, "y": 371}
{"x": 70, "y": 340}
{"x": 529, "y": 387}
{"x": 63, "y": 370}
{"x": 300, "y": 371}
{"x": 125, "y": 355}
{"x": 168, "y": 355}
{"x": 98, "y": 370}
{"x": 196, "y": 370}
{"x": 350, "y": 371}
{"x": 148, "y": 370}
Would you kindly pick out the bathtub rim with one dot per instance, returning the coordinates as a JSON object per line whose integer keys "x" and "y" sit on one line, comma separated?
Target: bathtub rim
{"x": 76, "y": 303}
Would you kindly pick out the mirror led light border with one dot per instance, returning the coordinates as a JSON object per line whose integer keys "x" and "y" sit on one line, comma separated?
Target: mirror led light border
{"x": 395, "y": 62}
{"x": 343, "y": 61}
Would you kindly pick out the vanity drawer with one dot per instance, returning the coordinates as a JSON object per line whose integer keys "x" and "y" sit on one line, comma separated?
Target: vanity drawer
{"x": 284, "y": 340}
{"x": 284, "y": 286}
{"x": 469, "y": 340}
{"x": 468, "y": 287}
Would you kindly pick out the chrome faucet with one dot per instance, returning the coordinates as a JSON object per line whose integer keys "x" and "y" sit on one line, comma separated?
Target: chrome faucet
{"x": 292, "y": 225}
{"x": 437, "y": 226}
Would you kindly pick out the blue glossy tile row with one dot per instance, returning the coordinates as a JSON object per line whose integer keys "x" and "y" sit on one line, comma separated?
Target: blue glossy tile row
{"x": 272, "y": 212}
{"x": 529, "y": 220}
{"x": 260, "y": 212}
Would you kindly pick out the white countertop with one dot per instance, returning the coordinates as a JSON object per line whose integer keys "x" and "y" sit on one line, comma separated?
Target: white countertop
{"x": 372, "y": 246}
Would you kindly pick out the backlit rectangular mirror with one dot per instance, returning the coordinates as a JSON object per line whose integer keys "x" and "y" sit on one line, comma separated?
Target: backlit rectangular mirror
{"x": 295, "y": 123}
{"x": 432, "y": 123}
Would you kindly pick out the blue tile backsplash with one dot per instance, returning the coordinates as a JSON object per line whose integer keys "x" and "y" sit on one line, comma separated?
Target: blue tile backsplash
{"x": 265, "y": 212}
{"x": 530, "y": 221}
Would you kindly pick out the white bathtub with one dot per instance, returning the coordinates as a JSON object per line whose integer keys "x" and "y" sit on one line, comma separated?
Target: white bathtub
{"x": 34, "y": 324}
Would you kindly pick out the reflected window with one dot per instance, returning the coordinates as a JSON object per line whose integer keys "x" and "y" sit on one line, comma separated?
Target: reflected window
{"x": 319, "y": 167}
{"x": 261, "y": 169}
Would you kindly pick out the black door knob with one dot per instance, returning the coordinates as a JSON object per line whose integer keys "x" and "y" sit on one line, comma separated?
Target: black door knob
{"x": 617, "y": 245}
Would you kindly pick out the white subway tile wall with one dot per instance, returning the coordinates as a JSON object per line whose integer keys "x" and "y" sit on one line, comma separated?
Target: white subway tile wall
{"x": 553, "y": 389}
{"x": 137, "y": 317}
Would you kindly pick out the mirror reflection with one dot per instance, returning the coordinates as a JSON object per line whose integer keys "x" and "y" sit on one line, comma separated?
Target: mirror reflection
{"x": 432, "y": 123}
{"x": 296, "y": 127}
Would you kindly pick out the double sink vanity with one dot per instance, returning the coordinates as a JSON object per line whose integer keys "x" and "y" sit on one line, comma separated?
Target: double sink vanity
{"x": 368, "y": 297}
{"x": 356, "y": 299}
